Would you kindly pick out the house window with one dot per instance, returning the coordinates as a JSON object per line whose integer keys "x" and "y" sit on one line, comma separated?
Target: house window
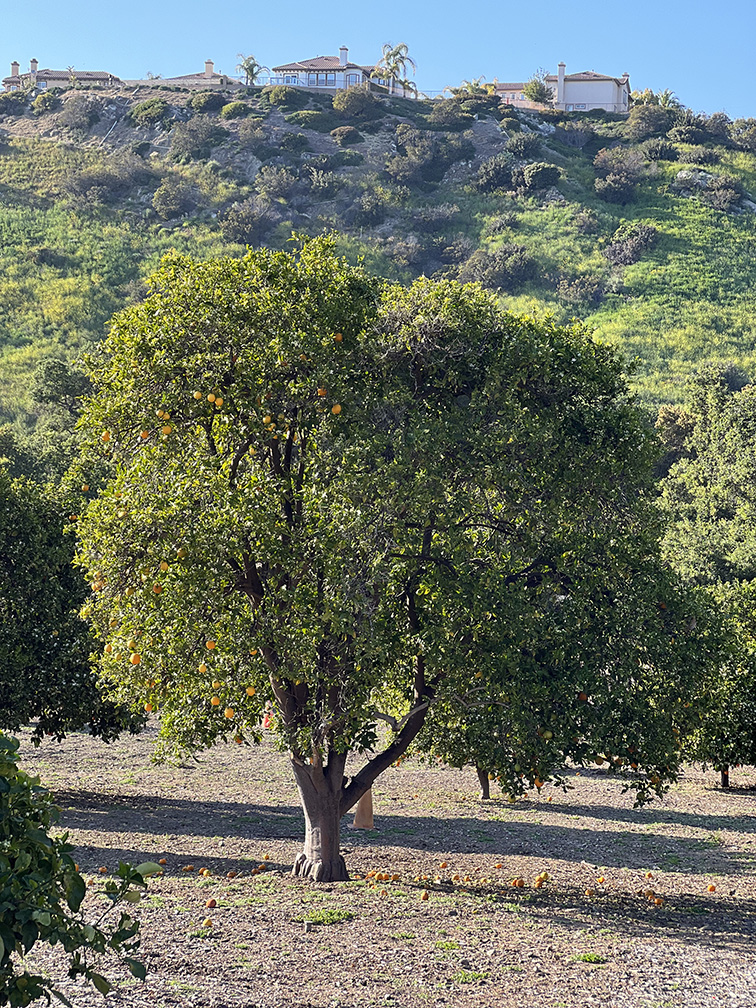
{"x": 42, "y": 84}
{"x": 580, "y": 106}
{"x": 312, "y": 80}
{"x": 352, "y": 80}
{"x": 331, "y": 80}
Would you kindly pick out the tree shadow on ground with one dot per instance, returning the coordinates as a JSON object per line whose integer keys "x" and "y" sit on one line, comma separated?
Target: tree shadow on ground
{"x": 173, "y": 817}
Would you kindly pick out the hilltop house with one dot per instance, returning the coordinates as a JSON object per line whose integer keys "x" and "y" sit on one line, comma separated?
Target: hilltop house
{"x": 575, "y": 92}
{"x": 203, "y": 80}
{"x": 44, "y": 79}
{"x": 326, "y": 73}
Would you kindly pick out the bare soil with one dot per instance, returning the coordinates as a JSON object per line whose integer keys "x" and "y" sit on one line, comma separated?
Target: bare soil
{"x": 477, "y": 941}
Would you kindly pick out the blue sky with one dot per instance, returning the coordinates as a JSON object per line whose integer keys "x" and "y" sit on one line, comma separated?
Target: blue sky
{"x": 702, "y": 52}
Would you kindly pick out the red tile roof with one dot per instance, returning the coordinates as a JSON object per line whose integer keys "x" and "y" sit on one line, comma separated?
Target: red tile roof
{"x": 588, "y": 75}
{"x": 322, "y": 63}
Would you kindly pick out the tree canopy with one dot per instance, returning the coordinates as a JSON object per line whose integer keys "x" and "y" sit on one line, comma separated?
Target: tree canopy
{"x": 348, "y": 504}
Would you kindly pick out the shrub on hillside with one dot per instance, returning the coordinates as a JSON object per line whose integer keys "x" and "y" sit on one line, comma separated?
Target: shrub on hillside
{"x": 369, "y": 209}
{"x": 722, "y": 192}
{"x": 246, "y": 222}
{"x": 254, "y": 137}
{"x": 524, "y": 145}
{"x": 647, "y": 121}
{"x": 150, "y": 113}
{"x": 355, "y": 103}
{"x": 629, "y": 242}
{"x": 79, "y": 113}
{"x": 743, "y": 132}
{"x": 208, "y": 101}
{"x": 535, "y": 176}
{"x": 508, "y": 221}
{"x": 235, "y": 110}
{"x": 195, "y": 139}
{"x": 283, "y": 97}
{"x": 13, "y": 102}
{"x": 430, "y": 219}
{"x": 659, "y": 149}
{"x": 688, "y": 134}
{"x": 314, "y": 119}
{"x": 346, "y": 135}
{"x": 275, "y": 183}
{"x": 616, "y": 188}
{"x": 294, "y": 143}
{"x": 494, "y": 173}
{"x": 509, "y": 124}
{"x": 507, "y": 268}
{"x": 619, "y": 172}
{"x": 584, "y": 291}
{"x": 449, "y": 114}
{"x": 45, "y": 102}
{"x": 424, "y": 157}
{"x": 700, "y": 155}
{"x": 173, "y": 198}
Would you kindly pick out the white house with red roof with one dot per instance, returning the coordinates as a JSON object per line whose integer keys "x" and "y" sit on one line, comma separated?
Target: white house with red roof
{"x": 325, "y": 73}
{"x": 578, "y": 92}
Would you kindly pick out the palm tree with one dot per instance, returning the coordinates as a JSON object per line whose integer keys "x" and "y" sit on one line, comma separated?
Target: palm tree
{"x": 392, "y": 66}
{"x": 251, "y": 69}
{"x": 469, "y": 87}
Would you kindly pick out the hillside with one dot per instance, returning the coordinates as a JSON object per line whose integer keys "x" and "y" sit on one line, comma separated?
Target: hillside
{"x": 651, "y": 241}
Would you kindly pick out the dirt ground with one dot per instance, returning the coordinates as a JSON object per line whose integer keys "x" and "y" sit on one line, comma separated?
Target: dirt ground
{"x": 476, "y": 941}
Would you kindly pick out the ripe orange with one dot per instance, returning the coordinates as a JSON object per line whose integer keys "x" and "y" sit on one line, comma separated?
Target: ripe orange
{"x": 582, "y": 696}
{"x": 149, "y": 708}
{"x": 157, "y": 589}
{"x": 322, "y": 392}
{"x": 84, "y": 487}
{"x": 103, "y": 870}
{"x": 166, "y": 430}
{"x": 144, "y": 435}
{"x": 336, "y": 409}
{"x": 211, "y": 397}
{"x": 207, "y": 922}
{"x": 338, "y": 337}
{"x": 135, "y": 659}
{"x": 444, "y": 864}
{"x": 250, "y": 691}
{"x": 163, "y": 565}
{"x": 215, "y": 701}
{"x": 106, "y": 435}
{"x": 188, "y": 868}
{"x": 197, "y": 395}
{"x": 600, "y": 879}
{"x": 711, "y": 888}
{"x": 424, "y": 894}
{"x": 210, "y": 645}
{"x": 218, "y": 402}
{"x": 658, "y": 901}
{"x": 163, "y": 861}
{"x": 229, "y": 712}
{"x": 108, "y": 648}
{"x": 202, "y": 667}
{"x": 590, "y": 892}
{"x": 181, "y": 552}
{"x": 217, "y": 685}
{"x": 211, "y": 904}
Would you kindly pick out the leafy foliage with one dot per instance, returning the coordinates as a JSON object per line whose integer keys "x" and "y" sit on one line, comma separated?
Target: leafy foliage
{"x": 42, "y": 893}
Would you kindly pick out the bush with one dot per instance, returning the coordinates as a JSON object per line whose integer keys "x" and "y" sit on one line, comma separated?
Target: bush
{"x": 195, "y": 139}
{"x": 687, "y": 134}
{"x": 150, "y": 113}
{"x": 647, "y": 121}
{"x": 510, "y": 125}
{"x": 208, "y": 101}
{"x": 235, "y": 110}
{"x": 616, "y": 188}
{"x": 507, "y": 268}
{"x": 41, "y": 893}
{"x": 700, "y": 155}
{"x": 371, "y": 208}
{"x": 434, "y": 218}
{"x": 246, "y": 223}
{"x": 723, "y": 192}
{"x": 275, "y": 183}
{"x": 582, "y": 291}
{"x": 501, "y": 222}
{"x": 254, "y": 136}
{"x": 173, "y": 198}
{"x": 495, "y": 173}
{"x": 539, "y": 175}
{"x": 449, "y": 114}
{"x": 313, "y": 119}
{"x": 524, "y": 145}
{"x": 424, "y": 157}
{"x": 283, "y": 96}
{"x": 79, "y": 113}
{"x": 346, "y": 135}
{"x": 45, "y": 102}
{"x": 743, "y": 132}
{"x": 356, "y": 103}
{"x": 659, "y": 149}
{"x": 13, "y": 102}
{"x": 294, "y": 143}
{"x": 629, "y": 242}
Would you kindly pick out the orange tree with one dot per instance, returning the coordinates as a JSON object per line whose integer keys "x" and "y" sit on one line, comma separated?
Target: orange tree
{"x": 45, "y": 674}
{"x": 352, "y": 502}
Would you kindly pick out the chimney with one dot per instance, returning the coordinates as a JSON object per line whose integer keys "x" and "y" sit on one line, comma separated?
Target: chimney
{"x": 15, "y": 69}
{"x": 343, "y": 56}
{"x": 33, "y": 64}
{"x": 560, "y": 83}
{"x": 208, "y": 68}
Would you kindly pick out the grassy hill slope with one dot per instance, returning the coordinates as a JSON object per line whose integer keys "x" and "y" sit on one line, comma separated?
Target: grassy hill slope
{"x": 651, "y": 241}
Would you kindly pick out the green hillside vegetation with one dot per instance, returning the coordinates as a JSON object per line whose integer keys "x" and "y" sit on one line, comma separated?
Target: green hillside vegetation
{"x": 642, "y": 226}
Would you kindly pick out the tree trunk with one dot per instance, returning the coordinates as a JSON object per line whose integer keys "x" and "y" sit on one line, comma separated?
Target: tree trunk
{"x": 724, "y": 776}
{"x": 320, "y": 790}
{"x": 485, "y": 784}
{"x": 363, "y": 812}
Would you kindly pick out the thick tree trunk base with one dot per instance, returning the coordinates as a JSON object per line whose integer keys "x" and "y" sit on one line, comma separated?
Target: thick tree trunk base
{"x": 334, "y": 870}
{"x": 485, "y": 784}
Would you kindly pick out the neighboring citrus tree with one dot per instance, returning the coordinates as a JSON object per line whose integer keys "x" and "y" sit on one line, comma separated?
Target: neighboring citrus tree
{"x": 711, "y": 540}
{"x": 42, "y": 892}
{"x": 45, "y": 673}
{"x": 354, "y": 503}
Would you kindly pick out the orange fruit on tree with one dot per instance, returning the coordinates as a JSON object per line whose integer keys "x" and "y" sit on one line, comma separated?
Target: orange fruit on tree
{"x": 166, "y": 429}
{"x": 217, "y": 685}
{"x": 218, "y": 402}
{"x": 157, "y": 589}
{"x": 211, "y": 396}
{"x": 197, "y": 395}
{"x": 322, "y": 392}
{"x": 336, "y": 409}
{"x": 144, "y": 435}
{"x": 229, "y": 712}
{"x": 338, "y": 337}
{"x": 215, "y": 701}
{"x": 250, "y": 691}
{"x": 210, "y": 645}
{"x": 106, "y": 435}
{"x": 135, "y": 659}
